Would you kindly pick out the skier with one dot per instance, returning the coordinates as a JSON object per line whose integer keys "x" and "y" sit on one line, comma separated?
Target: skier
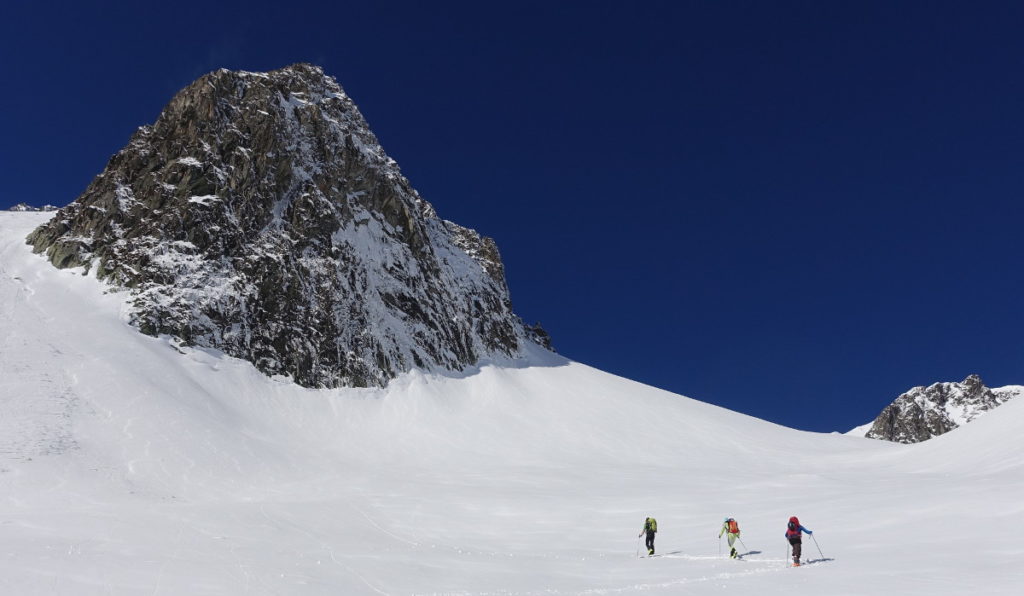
{"x": 732, "y": 531}
{"x": 651, "y": 528}
{"x": 793, "y": 529}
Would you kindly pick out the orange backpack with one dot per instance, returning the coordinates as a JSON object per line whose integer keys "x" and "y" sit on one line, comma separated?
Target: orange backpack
{"x": 734, "y": 528}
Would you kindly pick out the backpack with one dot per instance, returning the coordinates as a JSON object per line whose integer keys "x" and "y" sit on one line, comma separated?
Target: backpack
{"x": 734, "y": 528}
{"x": 652, "y": 524}
{"x": 793, "y": 527}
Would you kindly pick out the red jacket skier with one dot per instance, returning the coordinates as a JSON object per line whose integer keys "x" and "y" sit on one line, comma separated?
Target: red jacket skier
{"x": 793, "y": 529}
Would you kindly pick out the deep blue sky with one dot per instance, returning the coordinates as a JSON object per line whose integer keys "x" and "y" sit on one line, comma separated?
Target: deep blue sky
{"x": 796, "y": 210}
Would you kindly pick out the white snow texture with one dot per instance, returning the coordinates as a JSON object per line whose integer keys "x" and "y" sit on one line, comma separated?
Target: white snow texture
{"x": 131, "y": 465}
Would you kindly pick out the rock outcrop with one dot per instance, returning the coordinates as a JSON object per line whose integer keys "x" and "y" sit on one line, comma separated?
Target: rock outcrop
{"x": 926, "y": 412}
{"x": 260, "y": 216}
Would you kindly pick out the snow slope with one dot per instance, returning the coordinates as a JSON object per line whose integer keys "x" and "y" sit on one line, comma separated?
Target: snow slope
{"x": 130, "y": 465}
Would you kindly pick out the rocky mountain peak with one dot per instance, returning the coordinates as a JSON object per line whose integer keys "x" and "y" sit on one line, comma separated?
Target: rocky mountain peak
{"x": 972, "y": 386}
{"x": 926, "y": 412}
{"x": 260, "y": 216}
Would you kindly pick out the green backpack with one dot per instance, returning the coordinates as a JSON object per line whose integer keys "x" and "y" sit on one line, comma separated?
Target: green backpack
{"x": 652, "y": 524}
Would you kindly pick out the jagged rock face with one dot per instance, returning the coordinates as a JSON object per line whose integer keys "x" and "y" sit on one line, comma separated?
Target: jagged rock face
{"x": 260, "y": 216}
{"x": 926, "y": 412}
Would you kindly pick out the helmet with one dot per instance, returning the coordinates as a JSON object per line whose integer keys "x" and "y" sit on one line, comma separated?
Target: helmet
{"x": 726, "y": 519}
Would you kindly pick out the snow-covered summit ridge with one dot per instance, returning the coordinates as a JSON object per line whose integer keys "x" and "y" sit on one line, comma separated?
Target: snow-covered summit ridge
{"x": 260, "y": 216}
{"x": 23, "y": 207}
{"x": 925, "y": 412}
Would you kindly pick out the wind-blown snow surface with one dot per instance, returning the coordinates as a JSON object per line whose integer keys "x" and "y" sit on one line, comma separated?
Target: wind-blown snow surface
{"x": 128, "y": 466}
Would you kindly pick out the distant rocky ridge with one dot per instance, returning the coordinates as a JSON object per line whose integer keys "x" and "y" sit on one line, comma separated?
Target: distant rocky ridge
{"x": 27, "y": 207}
{"x": 926, "y": 412}
{"x": 260, "y": 216}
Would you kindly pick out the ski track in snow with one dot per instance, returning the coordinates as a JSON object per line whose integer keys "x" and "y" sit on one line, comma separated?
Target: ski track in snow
{"x": 132, "y": 465}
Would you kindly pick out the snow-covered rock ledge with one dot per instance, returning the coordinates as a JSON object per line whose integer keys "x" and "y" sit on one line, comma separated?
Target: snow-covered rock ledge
{"x": 926, "y": 412}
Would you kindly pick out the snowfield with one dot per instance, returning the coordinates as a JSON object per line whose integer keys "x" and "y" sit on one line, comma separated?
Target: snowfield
{"x": 132, "y": 465}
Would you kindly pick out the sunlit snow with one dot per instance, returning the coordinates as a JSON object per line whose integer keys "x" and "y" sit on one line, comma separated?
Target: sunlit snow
{"x": 133, "y": 465}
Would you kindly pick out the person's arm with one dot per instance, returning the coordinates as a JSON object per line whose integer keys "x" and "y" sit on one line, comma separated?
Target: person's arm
{"x": 803, "y": 529}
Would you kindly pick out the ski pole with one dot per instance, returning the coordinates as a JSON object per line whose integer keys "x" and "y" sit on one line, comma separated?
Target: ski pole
{"x": 719, "y": 545}
{"x": 741, "y": 542}
{"x": 638, "y": 547}
{"x": 816, "y": 544}
{"x": 786, "y": 560}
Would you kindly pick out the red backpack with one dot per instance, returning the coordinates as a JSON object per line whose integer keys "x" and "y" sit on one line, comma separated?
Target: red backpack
{"x": 793, "y": 527}
{"x": 734, "y": 528}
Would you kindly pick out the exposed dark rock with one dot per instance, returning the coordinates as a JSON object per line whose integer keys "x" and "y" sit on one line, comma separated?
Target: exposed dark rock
{"x": 260, "y": 216}
{"x": 539, "y": 335}
{"x": 926, "y": 412}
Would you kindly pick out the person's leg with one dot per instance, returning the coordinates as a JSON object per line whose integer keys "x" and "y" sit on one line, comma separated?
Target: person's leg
{"x": 650, "y": 543}
{"x": 797, "y": 549}
{"x": 732, "y": 541}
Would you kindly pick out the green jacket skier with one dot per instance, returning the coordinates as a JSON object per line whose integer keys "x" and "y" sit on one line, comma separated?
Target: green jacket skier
{"x": 650, "y": 528}
{"x": 732, "y": 531}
